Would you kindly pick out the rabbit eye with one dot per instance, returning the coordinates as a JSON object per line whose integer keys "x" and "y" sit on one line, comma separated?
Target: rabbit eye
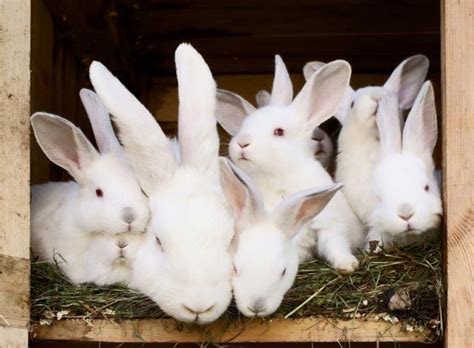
{"x": 352, "y": 104}
{"x": 158, "y": 241}
{"x": 283, "y": 273}
{"x": 99, "y": 193}
{"x": 427, "y": 188}
{"x": 278, "y": 132}
{"x": 235, "y": 269}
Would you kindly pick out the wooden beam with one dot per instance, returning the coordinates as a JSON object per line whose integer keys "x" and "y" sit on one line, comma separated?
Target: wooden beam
{"x": 14, "y": 128}
{"x": 458, "y": 141}
{"x": 15, "y": 42}
{"x": 234, "y": 17}
{"x": 367, "y": 53}
{"x": 276, "y": 330}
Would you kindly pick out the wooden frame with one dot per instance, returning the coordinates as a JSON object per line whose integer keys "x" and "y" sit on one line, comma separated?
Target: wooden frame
{"x": 14, "y": 172}
{"x": 458, "y": 137}
{"x": 458, "y": 142}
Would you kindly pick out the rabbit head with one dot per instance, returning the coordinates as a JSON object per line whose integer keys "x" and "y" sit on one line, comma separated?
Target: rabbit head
{"x": 184, "y": 264}
{"x": 264, "y": 253}
{"x": 273, "y": 136}
{"x": 404, "y": 179}
{"x": 282, "y": 93}
{"x": 109, "y": 258}
{"x": 110, "y": 199}
{"x": 405, "y": 80}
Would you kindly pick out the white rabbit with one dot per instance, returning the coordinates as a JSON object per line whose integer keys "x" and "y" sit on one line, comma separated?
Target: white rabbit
{"x": 273, "y": 146}
{"x": 108, "y": 258}
{"x": 404, "y": 180}
{"x": 282, "y": 94}
{"x": 106, "y": 197}
{"x": 358, "y": 143}
{"x": 184, "y": 264}
{"x": 266, "y": 251}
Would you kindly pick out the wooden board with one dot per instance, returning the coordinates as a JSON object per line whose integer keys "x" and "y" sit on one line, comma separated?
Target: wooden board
{"x": 239, "y": 36}
{"x": 276, "y": 330}
{"x": 42, "y": 88}
{"x": 458, "y": 141}
{"x": 14, "y": 171}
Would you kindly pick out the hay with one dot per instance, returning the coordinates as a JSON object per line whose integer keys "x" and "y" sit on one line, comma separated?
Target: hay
{"x": 413, "y": 272}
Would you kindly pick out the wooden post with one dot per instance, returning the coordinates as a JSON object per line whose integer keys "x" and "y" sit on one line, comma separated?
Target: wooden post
{"x": 14, "y": 171}
{"x": 458, "y": 146}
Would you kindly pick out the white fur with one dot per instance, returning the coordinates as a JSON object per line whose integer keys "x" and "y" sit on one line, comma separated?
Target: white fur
{"x": 409, "y": 201}
{"x": 65, "y": 215}
{"x": 108, "y": 259}
{"x": 184, "y": 264}
{"x": 282, "y": 94}
{"x": 266, "y": 252}
{"x": 284, "y": 165}
{"x": 358, "y": 143}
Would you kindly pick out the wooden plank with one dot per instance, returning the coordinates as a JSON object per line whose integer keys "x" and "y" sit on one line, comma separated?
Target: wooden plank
{"x": 228, "y": 18}
{"x": 14, "y": 127}
{"x": 42, "y": 83}
{"x": 272, "y": 331}
{"x": 14, "y": 292}
{"x": 13, "y": 338}
{"x": 458, "y": 142}
{"x": 368, "y": 53}
{"x": 14, "y": 170}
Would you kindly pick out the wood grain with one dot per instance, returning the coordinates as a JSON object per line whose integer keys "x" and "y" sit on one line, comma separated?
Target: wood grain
{"x": 14, "y": 127}
{"x": 14, "y": 292}
{"x": 14, "y": 171}
{"x": 458, "y": 141}
{"x": 277, "y": 330}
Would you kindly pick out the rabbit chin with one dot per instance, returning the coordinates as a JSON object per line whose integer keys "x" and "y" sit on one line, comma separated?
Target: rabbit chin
{"x": 244, "y": 303}
{"x": 394, "y": 226}
{"x": 171, "y": 302}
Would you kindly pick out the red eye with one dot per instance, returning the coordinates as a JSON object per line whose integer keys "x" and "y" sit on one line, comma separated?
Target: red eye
{"x": 99, "y": 193}
{"x": 427, "y": 188}
{"x": 279, "y": 132}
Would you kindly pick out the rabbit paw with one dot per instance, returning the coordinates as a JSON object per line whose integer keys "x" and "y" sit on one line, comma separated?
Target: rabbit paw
{"x": 346, "y": 264}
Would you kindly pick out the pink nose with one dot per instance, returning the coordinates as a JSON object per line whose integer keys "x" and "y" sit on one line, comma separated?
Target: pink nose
{"x": 405, "y": 212}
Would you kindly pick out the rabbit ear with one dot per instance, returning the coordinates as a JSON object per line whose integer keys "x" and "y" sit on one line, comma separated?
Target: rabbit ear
{"x": 407, "y": 79}
{"x": 323, "y": 93}
{"x": 310, "y": 68}
{"x": 298, "y": 208}
{"x": 100, "y": 121}
{"x": 421, "y": 128}
{"x": 197, "y": 128}
{"x": 231, "y": 110}
{"x": 262, "y": 98}
{"x": 145, "y": 144}
{"x": 388, "y": 122}
{"x": 282, "y": 89}
{"x": 63, "y": 143}
{"x": 241, "y": 192}
{"x": 345, "y": 107}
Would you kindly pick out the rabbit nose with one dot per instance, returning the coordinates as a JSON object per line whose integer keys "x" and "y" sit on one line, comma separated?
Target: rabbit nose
{"x": 318, "y": 135}
{"x": 197, "y": 311}
{"x": 122, "y": 244}
{"x": 244, "y": 141}
{"x": 243, "y": 144}
{"x": 258, "y": 306}
{"x": 128, "y": 215}
{"x": 405, "y": 212}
